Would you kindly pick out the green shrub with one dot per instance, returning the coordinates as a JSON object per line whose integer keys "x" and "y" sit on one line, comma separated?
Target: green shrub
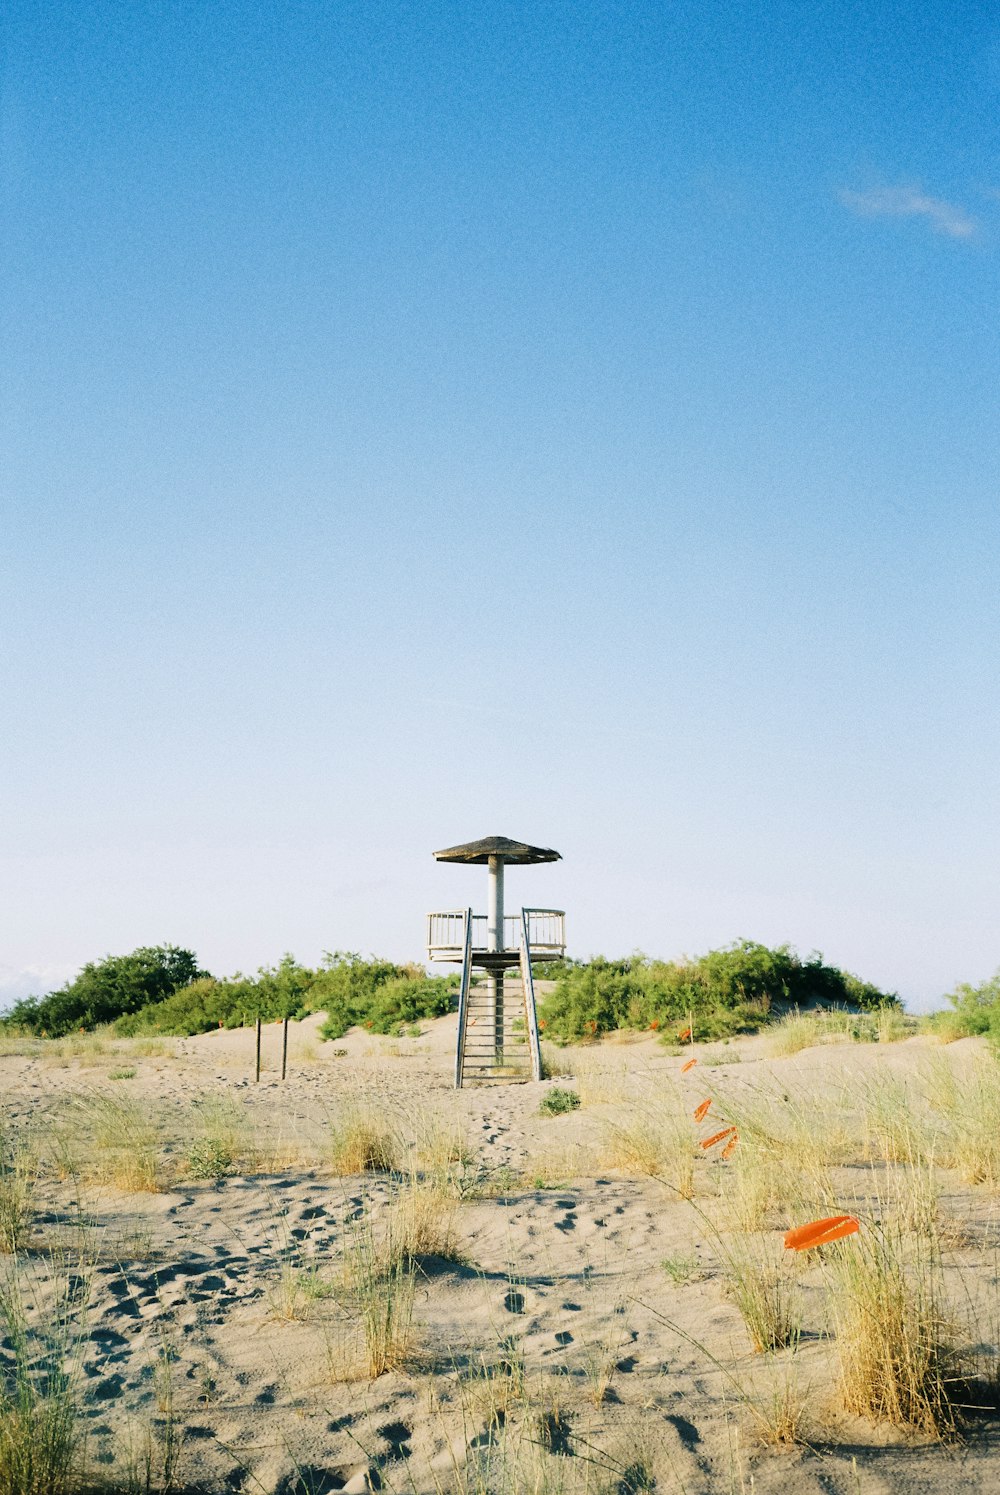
{"x": 106, "y": 990}
{"x": 974, "y": 1010}
{"x": 391, "y": 1004}
{"x": 731, "y": 990}
{"x": 209, "y": 1158}
{"x": 375, "y": 994}
{"x": 229, "y": 1002}
{"x": 558, "y": 1101}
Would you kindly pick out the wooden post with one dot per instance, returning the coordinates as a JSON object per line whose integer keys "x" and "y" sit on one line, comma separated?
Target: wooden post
{"x": 284, "y": 1049}
{"x": 257, "y": 1075}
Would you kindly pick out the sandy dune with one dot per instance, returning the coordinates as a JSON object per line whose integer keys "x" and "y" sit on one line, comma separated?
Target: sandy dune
{"x": 558, "y": 1352}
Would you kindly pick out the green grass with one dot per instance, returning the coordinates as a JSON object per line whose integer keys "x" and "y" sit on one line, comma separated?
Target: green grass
{"x": 40, "y": 1433}
{"x": 681, "y": 1269}
{"x": 17, "y": 1178}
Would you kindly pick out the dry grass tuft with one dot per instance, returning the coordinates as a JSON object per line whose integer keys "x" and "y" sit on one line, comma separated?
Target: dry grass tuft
{"x": 495, "y": 1387}
{"x": 117, "y": 1142}
{"x": 970, "y": 1112}
{"x": 422, "y": 1224}
{"x": 893, "y": 1129}
{"x": 899, "y": 1361}
{"x": 763, "y": 1290}
{"x": 40, "y": 1437}
{"x": 602, "y": 1081}
{"x": 757, "y": 1192}
{"x": 441, "y": 1149}
{"x": 656, "y": 1141}
{"x": 17, "y": 1178}
{"x": 19, "y": 1044}
{"x": 360, "y": 1143}
{"x": 788, "y": 1127}
{"x": 797, "y": 1031}
{"x": 381, "y": 1281}
{"x": 556, "y": 1167}
{"x": 778, "y": 1408}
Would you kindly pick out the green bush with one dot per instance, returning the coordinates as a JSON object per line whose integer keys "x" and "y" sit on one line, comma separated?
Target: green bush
{"x": 209, "y": 1158}
{"x": 974, "y": 1010}
{"x": 347, "y": 989}
{"x": 106, "y": 990}
{"x": 558, "y": 1101}
{"x": 228, "y": 1002}
{"x": 374, "y": 994}
{"x": 732, "y": 990}
{"x": 391, "y": 1005}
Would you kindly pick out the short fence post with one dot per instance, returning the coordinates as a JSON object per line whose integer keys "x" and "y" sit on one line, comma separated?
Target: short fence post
{"x": 284, "y": 1049}
{"x": 257, "y": 1075}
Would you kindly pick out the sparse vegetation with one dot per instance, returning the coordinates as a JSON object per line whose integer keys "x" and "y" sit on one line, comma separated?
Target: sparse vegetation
{"x": 803, "y": 1030}
{"x": 655, "y": 1140}
{"x": 209, "y": 1158}
{"x": 681, "y": 1269}
{"x": 515, "y": 1325}
{"x": 974, "y": 1010}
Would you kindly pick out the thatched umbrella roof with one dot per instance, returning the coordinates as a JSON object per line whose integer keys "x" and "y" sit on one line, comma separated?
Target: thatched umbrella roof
{"x": 478, "y": 853}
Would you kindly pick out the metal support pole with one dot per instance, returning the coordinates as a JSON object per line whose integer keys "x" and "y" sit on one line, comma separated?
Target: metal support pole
{"x": 495, "y": 941}
{"x": 257, "y": 1075}
{"x": 284, "y": 1049}
{"x": 494, "y": 909}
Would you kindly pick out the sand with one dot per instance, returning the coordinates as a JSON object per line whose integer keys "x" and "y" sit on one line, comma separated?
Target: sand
{"x": 559, "y": 1352}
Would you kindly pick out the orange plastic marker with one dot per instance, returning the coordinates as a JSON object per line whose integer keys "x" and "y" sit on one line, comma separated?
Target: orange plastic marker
{"x": 727, "y": 1131}
{"x": 689, "y": 1065}
{"x": 700, "y": 1112}
{"x": 821, "y": 1232}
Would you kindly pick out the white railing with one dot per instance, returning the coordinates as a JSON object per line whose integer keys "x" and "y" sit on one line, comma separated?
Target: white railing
{"x": 446, "y": 932}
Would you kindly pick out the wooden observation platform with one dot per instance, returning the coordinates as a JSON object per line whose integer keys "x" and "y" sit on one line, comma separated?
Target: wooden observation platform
{"x": 497, "y": 1024}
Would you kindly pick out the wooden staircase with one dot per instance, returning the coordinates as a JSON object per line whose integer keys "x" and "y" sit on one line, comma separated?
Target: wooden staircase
{"x": 497, "y": 1025}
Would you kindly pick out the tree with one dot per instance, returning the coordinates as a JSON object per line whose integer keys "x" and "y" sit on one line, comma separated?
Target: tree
{"x": 108, "y": 989}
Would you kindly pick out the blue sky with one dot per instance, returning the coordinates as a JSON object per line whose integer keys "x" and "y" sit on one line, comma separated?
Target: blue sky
{"x": 569, "y": 421}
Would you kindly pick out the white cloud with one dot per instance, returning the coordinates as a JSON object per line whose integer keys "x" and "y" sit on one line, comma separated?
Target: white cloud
{"x": 32, "y": 981}
{"x": 911, "y": 202}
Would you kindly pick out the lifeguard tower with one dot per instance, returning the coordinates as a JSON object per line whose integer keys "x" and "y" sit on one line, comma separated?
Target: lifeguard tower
{"x": 497, "y": 1026}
